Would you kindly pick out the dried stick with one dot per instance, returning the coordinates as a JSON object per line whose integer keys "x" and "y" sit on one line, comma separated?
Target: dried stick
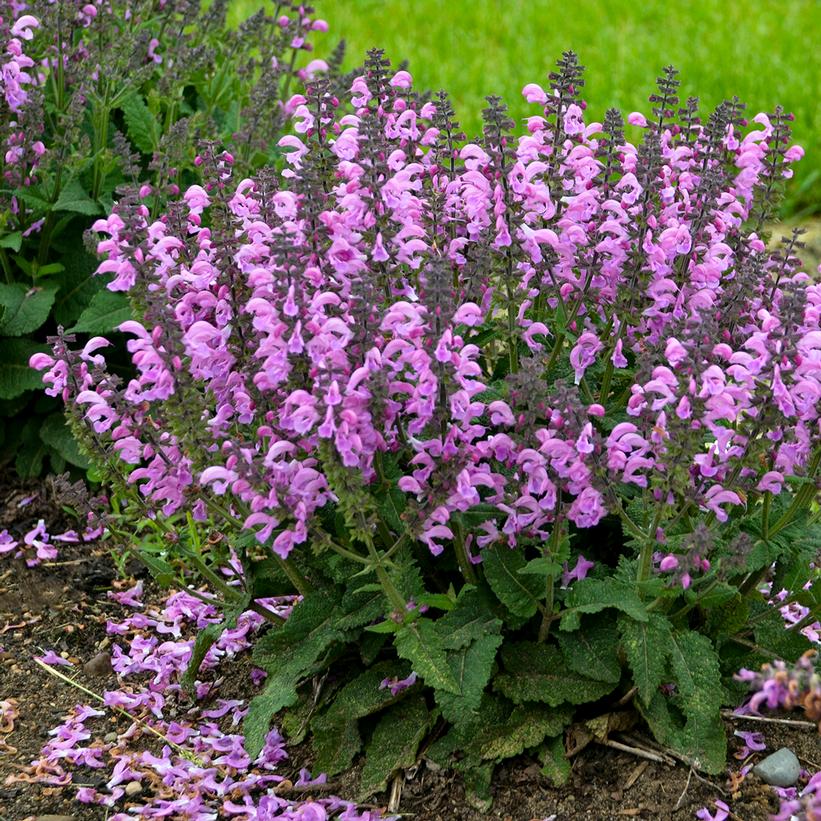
{"x": 790, "y": 722}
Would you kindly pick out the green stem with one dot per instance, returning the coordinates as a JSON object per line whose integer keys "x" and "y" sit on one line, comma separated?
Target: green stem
{"x": 302, "y": 585}
{"x": 554, "y": 354}
{"x": 765, "y": 516}
{"x": 468, "y": 573}
{"x": 550, "y": 583}
{"x": 393, "y": 595}
{"x": 512, "y": 341}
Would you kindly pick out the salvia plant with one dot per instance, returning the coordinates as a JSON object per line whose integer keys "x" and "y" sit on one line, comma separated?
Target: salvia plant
{"x": 528, "y": 422}
{"x": 94, "y": 95}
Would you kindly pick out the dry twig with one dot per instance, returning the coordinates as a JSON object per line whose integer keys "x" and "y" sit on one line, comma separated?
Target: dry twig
{"x": 789, "y": 722}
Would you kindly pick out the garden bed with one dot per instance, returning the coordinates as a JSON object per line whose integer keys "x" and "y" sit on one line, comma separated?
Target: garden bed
{"x": 63, "y": 606}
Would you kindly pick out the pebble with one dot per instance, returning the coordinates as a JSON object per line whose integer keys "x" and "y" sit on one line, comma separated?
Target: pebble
{"x": 100, "y": 665}
{"x": 110, "y": 738}
{"x": 781, "y": 769}
{"x": 133, "y": 788}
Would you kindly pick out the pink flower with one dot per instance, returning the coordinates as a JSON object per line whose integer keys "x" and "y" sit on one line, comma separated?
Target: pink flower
{"x": 580, "y": 571}
{"x": 584, "y": 353}
{"x": 534, "y": 93}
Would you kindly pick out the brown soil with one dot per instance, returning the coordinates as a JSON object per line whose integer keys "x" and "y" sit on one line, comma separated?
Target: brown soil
{"x": 63, "y": 607}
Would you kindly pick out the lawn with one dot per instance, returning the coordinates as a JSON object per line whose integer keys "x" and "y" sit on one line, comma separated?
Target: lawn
{"x": 765, "y": 52}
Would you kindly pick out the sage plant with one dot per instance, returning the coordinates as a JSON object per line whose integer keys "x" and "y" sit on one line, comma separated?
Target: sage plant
{"x": 521, "y": 378}
{"x": 94, "y": 95}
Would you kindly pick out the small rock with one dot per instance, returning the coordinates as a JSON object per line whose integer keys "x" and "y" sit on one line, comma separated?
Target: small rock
{"x": 100, "y": 665}
{"x": 781, "y": 769}
{"x": 133, "y": 788}
{"x": 110, "y": 738}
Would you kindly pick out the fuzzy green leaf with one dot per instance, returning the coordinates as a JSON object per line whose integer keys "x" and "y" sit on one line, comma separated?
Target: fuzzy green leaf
{"x": 73, "y": 197}
{"x": 471, "y": 667}
{"x": 363, "y": 696}
{"x": 15, "y": 374}
{"x": 420, "y": 643}
{"x": 32, "y": 451}
{"x": 537, "y": 672}
{"x": 288, "y": 654}
{"x": 520, "y": 593}
{"x": 527, "y": 726}
{"x": 394, "y": 744}
{"x": 468, "y": 620}
{"x": 207, "y": 637}
{"x": 141, "y": 124}
{"x": 478, "y": 778}
{"x": 335, "y": 745}
{"x": 78, "y": 285}
{"x": 595, "y": 595}
{"x": 555, "y": 764}
{"x": 771, "y": 635}
{"x": 689, "y": 721}
{"x": 647, "y": 647}
{"x": 25, "y": 309}
{"x": 592, "y": 650}
{"x": 107, "y": 311}
{"x": 55, "y": 432}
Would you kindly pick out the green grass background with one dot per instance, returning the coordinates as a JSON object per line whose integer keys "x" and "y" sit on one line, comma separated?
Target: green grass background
{"x": 766, "y": 52}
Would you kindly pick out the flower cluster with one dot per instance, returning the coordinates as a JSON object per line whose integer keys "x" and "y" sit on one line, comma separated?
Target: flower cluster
{"x": 38, "y": 545}
{"x": 201, "y": 771}
{"x": 71, "y": 45}
{"x": 806, "y": 806}
{"x": 789, "y": 687}
{"x": 548, "y": 323}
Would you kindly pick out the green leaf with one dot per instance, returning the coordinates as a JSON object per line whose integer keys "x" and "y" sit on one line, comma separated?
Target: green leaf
{"x": 13, "y": 241}
{"x": 519, "y": 593}
{"x": 56, "y": 433}
{"x": 478, "y": 777}
{"x": 467, "y": 621}
{"x": 11, "y": 298}
{"x": 207, "y": 637}
{"x": 363, "y": 696}
{"x": 527, "y": 726}
{"x": 771, "y": 634}
{"x": 394, "y": 744}
{"x": 537, "y": 672}
{"x": 78, "y": 285}
{"x": 471, "y": 667}
{"x": 595, "y": 595}
{"x": 15, "y": 374}
{"x": 30, "y": 454}
{"x": 647, "y": 647}
{"x": 141, "y": 124}
{"x": 420, "y": 643}
{"x": 160, "y": 569}
{"x": 689, "y": 720}
{"x": 717, "y": 595}
{"x": 555, "y": 764}
{"x": 593, "y": 650}
{"x": 26, "y": 309}
{"x": 74, "y": 198}
{"x": 543, "y": 566}
{"x": 289, "y": 653}
{"x": 106, "y": 311}
{"x": 335, "y": 744}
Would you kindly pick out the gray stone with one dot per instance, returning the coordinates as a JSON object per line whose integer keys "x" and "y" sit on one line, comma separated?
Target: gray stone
{"x": 781, "y": 769}
{"x": 133, "y": 788}
{"x": 110, "y": 738}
